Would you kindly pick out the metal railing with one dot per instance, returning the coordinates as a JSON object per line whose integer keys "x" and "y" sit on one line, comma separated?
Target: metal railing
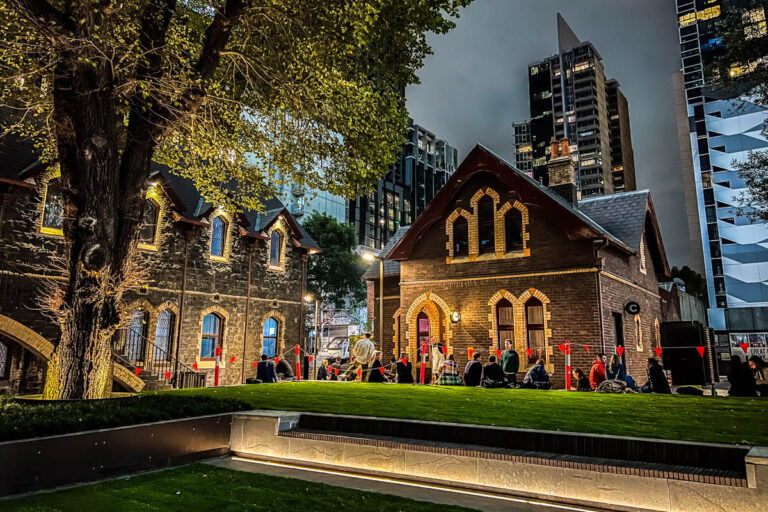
{"x": 134, "y": 350}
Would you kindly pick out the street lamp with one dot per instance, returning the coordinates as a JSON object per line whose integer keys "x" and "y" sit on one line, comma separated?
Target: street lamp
{"x": 369, "y": 256}
{"x": 308, "y": 299}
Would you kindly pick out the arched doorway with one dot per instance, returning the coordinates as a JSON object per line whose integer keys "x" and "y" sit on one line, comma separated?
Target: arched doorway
{"x": 422, "y": 329}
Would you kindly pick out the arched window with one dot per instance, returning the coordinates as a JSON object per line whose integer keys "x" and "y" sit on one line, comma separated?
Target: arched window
{"x": 269, "y": 338}
{"x": 212, "y": 325}
{"x": 534, "y": 326}
{"x": 4, "y": 356}
{"x": 137, "y": 333}
{"x": 53, "y": 209}
{"x": 485, "y": 227}
{"x": 643, "y": 268}
{"x": 505, "y": 322}
{"x": 275, "y": 248}
{"x": 148, "y": 229}
{"x": 164, "y": 334}
{"x": 657, "y": 332}
{"x": 422, "y": 326}
{"x": 460, "y": 237}
{"x": 638, "y": 332}
{"x": 218, "y": 236}
{"x": 513, "y": 230}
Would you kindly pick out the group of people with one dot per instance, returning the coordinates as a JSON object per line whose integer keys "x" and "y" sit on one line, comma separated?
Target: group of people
{"x": 605, "y": 376}
{"x": 750, "y": 379}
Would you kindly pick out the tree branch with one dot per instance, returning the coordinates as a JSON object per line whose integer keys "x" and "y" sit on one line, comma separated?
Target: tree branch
{"x": 48, "y": 20}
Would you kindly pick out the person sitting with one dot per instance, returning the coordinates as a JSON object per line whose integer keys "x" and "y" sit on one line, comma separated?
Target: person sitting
{"x": 377, "y": 369}
{"x": 284, "y": 371}
{"x": 493, "y": 374}
{"x": 760, "y": 369}
{"x": 265, "y": 370}
{"x": 391, "y": 372}
{"x": 597, "y": 373}
{"x": 657, "y": 380}
{"x": 322, "y": 372}
{"x": 615, "y": 369}
{"x": 473, "y": 372}
{"x": 537, "y": 377}
{"x": 582, "y": 382}
{"x": 404, "y": 370}
{"x": 352, "y": 371}
{"x": 449, "y": 373}
{"x": 741, "y": 379}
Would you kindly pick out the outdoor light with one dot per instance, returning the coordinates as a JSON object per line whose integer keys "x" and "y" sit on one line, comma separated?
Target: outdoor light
{"x": 455, "y": 317}
{"x": 367, "y": 256}
{"x": 308, "y": 298}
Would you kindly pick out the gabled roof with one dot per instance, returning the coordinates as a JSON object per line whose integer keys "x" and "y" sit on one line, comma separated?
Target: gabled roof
{"x": 391, "y": 267}
{"x": 620, "y": 218}
{"x": 16, "y": 156}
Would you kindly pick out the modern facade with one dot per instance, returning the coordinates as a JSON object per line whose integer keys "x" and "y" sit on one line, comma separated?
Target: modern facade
{"x": 722, "y": 129}
{"x": 570, "y": 97}
{"x": 424, "y": 166}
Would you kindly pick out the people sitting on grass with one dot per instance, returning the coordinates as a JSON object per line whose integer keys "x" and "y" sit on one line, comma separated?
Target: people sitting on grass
{"x": 741, "y": 379}
{"x": 537, "y": 377}
{"x": 615, "y": 369}
{"x": 322, "y": 372}
{"x": 335, "y": 367}
{"x": 284, "y": 371}
{"x": 404, "y": 370}
{"x": 449, "y": 373}
{"x": 493, "y": 375}
{"x": 265, "y": 370}
{"x": 352, "y": 371}
{"x": 510, "y": 363}
{"x": 657, "y": 379}
{"x": 376, "y": 373}
{"x": 473, "y": 372}
{"x": 391, "y": 372}
{"x": 582, "y": 382}
{"x": 760, "y": 371}
{"x": 597, "y": 372}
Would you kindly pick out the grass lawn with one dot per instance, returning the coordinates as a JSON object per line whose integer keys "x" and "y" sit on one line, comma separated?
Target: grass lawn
{"x": 201, "y": 487}
{"x": 719, "y": 419}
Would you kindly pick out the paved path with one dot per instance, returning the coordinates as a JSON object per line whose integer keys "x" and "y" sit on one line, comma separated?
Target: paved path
{"x": 476, "y": 500}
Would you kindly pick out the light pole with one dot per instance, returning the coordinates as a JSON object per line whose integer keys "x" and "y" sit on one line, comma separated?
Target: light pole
{"x": 308, "y": 299}
{"x": 368, "y": 256}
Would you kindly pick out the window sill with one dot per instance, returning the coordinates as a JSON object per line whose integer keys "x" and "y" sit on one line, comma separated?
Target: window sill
{"x": 149, "y": 247}
{"x": 51, "y": 232}
{"x": 207, "y": 364}
{"x": 274, "y": 268}
{"x": 218, "y": 259}
{"x": 488, "y": 256}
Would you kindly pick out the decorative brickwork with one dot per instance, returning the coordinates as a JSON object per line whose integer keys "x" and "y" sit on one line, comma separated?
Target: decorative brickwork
{"x": 227, "y": 242}
{"x": 155, "y": 195}
{"x": 439, "y": 315}
{"x": 281, "y": 228}
{"x": 223, "y": 340}
{"x": 280, "y": 343}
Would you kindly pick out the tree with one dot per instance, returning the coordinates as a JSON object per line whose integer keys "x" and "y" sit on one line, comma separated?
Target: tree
{"x": 695, "y": 284}
{"x": 224, "y": 92}
{"x": 336, "y": 274}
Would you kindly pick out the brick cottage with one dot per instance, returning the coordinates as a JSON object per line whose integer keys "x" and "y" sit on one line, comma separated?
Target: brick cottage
{"x": 215, "y": 280}
{"x": 498, "y": 256}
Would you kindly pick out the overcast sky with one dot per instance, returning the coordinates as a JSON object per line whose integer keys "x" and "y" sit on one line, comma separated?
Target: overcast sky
{"x": 475, "y": 85}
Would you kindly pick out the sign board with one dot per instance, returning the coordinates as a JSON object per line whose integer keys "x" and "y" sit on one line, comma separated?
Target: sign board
{"x": 632, "y": 307}
{"x": 756, "y": 342}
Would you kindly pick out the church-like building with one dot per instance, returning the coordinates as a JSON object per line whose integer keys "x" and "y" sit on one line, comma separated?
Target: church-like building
{"x": 498, "y": 256}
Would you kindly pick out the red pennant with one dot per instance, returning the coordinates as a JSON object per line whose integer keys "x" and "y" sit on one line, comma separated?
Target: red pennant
{"x": 255, "y": 364}
{"x": 218, "y": 351}
{"x": 277, "y": 359}
{"x": 359, "y": 374}
{"x": 137, "y": 371}
{"x": 658, "y": 351}
{"x": 586, "y": 347}
{"x": 232, "y": 360}
{"x": 167, "y": 376}
{"x": 194, "y": 365}
{"x": 296, "y": 349}
{"x": 381, "y": 369}
{"x": 444, "y": 349}
{"x": 620, "y": 350}
{"x": 498, "y": 353}
{"x": 744, "y": 347}
{"x": 561, "y": 347}
{"x": 701, "y": 350}
{"x": 530, "y": 352}
{"x": 405, "y": 361}
{"x": 311, "y": 358}
{"x": 337, "y": 371}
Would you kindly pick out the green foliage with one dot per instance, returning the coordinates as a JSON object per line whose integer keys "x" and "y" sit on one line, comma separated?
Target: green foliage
{"x": 205, "y": 487}
{"x": 695, "y": 284}
{"x": 21, "y": 421}
{"x": 336, "y": 273}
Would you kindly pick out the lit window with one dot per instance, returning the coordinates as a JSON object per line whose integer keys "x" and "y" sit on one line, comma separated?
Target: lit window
{"x": 53, "y": 209}
{"x": 148, "y": 229}
{"x": 513, "y": 230}
{"x": 269, "y": 337}
{"x": 590, "y": 161}
{"x": 525, "y": 149}
{"x": 485, "y": 225}
{"x": 460, "y": 237}
{"x": 581, "y": 66}
{"x": 218, "y": 236}
{"x": 643, "y": 269}
{"x": 276, "y": 248}
{"x": 505, "y": 322}
{"x": 211, "y": 336}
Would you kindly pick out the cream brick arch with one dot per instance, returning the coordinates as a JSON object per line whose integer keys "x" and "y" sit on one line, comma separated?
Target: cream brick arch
{"x": 156, "y": 195}
{"x": 499, "y": 225}
{"x": 432, "y": 304}
{"x": 396, "y": 319}
{"x": 455, "y": 214}
{"x": 224, "y": 315}
{"x": 474, "y": 241}
{"x": 280, "y": 343}
{"x": 493, "y": 332}
{"x": 520, "y": 326}
{"x": 281, "y": 227}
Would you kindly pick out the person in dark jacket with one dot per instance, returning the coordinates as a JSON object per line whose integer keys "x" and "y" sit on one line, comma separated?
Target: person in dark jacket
{"x": 375, "y": 374}
{"x": 741, "y": 379}
{"x": 473, "y": 372}
{"x": 322, "y": 372}
{"x": 404, "y": 370}
{"x": 760, "y": 370}
{"x": 493, "y": 375}
{"x": 284, "y": 370}
{"x": 537, "y": 377}
{"x": 582, "y": 382}
{"x": 615, "y": 369}
{"x": 265, "y": 370}
{"x": 657, "y": 380}
{"x": 510, "y": 362}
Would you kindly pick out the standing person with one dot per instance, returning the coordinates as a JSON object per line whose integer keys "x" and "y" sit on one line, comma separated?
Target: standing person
{"x": 363, "y": 350}
{"x": 322, "y": 372}
{"x": 510, "y": 362}
{"x": 582, "y": 382}
{"x": 760, "y": 369}
{"x": 616, "y": 369}
{"x": 404, "y": 370}
{"x": 449, "y": 373}
{"x": 493, "y": 375}
{"x": 376, "y": 375}
{"x": 657, "y": 380}
{"x": 473, "y": 372}
{"x": 265, "y": 370}
{"x": 597, "y": 373}
{"x": 537, "y": 377}
{"x": 437, "y": 357}
{"x": 741, "y": 379}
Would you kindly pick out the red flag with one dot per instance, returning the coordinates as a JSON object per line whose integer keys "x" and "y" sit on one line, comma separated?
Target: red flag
{"x": 311, "y": 358}
{"x": 620, "y": 350}
{"x": 360, "y": 374}
{"x": 498, "y": 353}
{"x": 701, "y": 350}
{"x": 530, "y": 352}
{"x": 255, "y": 364}
{"x": 194, "y": 365}
{"x": 586, "y": 347}
{"x": 405, "y": 361}
{"x": 381, "y": 369}
{"x": 277, "y": 359}
{"x": 137, "y": 371}
{"x": 337, "y": 371}
{"x": 658, "y": 351}
{"x": 470, "y": 352}
{"x": 296, "y": 348}
{"x": 218, "y": 351}
{"x": 167, "y": 375}
{"x": 444, "y": 349}
{"x": 561, "y": 347}
{"x": 744, "y": 347}
{"x": 232, "y": 360}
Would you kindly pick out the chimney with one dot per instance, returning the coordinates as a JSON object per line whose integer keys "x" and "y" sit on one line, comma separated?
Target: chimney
{"x": 562, "y": 171}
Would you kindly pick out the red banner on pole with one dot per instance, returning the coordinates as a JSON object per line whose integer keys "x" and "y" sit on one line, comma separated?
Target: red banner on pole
{"x": 701, "y": 350}
{"x": 658, "y": 351}
{"x": 620, "y": 350}
{"x": 137, "y": 371}
{"x": 744, "y": 346}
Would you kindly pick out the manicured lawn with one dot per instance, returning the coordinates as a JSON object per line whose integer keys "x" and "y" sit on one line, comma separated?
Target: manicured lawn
{"x": 200, "y": 487}
{"x": 719, "y": 419}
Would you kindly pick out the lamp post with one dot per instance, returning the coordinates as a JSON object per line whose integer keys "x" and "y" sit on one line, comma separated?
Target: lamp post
{"x": 367, "y": 256}
{"x": 308, "y": 298}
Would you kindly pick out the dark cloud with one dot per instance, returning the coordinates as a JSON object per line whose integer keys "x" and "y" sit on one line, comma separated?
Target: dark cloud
{"x": 475, "y": 85}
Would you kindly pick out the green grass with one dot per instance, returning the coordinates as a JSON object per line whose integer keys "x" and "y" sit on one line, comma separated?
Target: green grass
{"x": 201, "y": 487}
{"x": 719, "y": 419}
{"x": 20, "y": 421}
